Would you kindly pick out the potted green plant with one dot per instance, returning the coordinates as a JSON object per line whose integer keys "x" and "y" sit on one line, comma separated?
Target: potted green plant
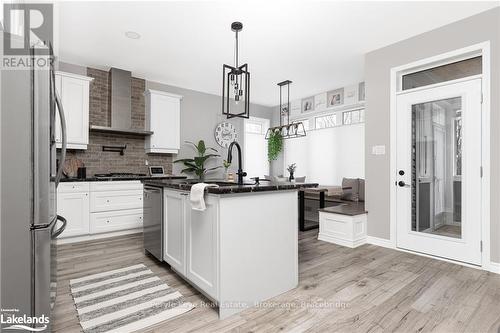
{"x": 196, "y": 164}
{"x": 274, "y": 145}
{"x": 291, "y": 169}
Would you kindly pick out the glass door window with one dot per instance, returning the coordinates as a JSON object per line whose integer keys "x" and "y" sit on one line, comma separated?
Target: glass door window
{"x": 436, "y": 152}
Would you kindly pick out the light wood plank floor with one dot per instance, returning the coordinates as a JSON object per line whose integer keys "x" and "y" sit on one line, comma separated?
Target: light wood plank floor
{"x": 368, "y": 289}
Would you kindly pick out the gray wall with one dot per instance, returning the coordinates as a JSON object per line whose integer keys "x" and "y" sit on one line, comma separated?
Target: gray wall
{"x": 473, "y": 30}
{"x": 200, "y": 113}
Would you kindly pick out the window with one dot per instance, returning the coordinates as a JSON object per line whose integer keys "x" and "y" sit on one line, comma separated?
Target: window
{"x": 443, "y": 73}
{"x": 352, "y": 117}
{"x": 255, "y": 147}
{"x": 253, "y": 127}
{"x": 326, "y": 121}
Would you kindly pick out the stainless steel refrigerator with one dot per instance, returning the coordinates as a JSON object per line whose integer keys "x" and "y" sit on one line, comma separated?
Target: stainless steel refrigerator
{"x": 29, "y": 223}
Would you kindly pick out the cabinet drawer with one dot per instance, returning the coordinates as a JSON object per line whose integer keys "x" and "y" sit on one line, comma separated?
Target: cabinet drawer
{"x": 117, "y": 185}
{"x": 115, "y": 200}
{"x": 73, "y": 187}
{"x": 114, "y": 221}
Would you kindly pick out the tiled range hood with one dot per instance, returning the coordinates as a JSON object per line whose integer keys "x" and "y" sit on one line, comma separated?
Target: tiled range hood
{"x": 120, "y": 104}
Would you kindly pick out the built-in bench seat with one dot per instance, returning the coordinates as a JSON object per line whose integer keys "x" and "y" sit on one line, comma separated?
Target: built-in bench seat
{"x": 343, "y": 224}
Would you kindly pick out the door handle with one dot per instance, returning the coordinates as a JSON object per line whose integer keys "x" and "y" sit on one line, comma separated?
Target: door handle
{"x": 403, "y": 184}
{"x": 62, "y": 228}
{"x": 63, "y": 128}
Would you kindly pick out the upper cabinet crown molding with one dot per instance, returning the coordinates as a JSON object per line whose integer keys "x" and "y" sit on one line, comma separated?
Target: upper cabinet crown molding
{"x": 163, "y": 118}
{"x": 74, "y": 91}
{"x": 75, "y": 76}
{"x": 164, "y": 93}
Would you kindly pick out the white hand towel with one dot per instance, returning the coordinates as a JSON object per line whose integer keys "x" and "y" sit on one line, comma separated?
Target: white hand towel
{"x": 196, "y": 195}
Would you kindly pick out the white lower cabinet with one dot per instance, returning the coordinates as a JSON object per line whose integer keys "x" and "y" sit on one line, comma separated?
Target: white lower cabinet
{"x": 93, "y": 208}
{"x": 115, "y": 200}
{"x": 201, "y": 237}
{"x": 115, "y": 220}
{"x": 74, "y": 207}
{"x": 190, "y": 240}
{"x": 174, "y": 214}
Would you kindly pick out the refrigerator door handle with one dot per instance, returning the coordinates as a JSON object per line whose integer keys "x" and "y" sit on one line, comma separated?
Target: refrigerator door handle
{"x": 62, "y": 228}
{"x": 63, "y": 130}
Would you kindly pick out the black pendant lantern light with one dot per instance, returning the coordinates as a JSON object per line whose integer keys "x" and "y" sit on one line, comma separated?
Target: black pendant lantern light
{"x": 285, "y": 129}
{"x": 236, "y": 84}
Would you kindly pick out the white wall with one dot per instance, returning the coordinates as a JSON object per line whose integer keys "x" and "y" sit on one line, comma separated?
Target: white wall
{"x": 327, "y": 155}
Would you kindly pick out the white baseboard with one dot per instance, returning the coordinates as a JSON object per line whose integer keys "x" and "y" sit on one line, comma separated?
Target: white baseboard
{"x": 380, "y": 242}
{"x": 87, "y": 238}
{"x": 494, "y": 267}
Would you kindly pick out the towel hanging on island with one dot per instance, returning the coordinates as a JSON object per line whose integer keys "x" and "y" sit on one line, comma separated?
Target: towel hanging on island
{"x": 196, "y": 195}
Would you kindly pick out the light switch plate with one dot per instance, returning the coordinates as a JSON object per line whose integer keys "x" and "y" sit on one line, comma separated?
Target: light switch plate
{"x": 378, "y": 150}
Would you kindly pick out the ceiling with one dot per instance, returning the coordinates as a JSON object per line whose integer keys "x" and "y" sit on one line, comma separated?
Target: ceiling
{"x": 317, "y": 45}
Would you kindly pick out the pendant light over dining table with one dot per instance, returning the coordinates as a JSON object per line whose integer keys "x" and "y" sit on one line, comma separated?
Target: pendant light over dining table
{"x": 236, "y": 84}
{"x": 285, "y": 129}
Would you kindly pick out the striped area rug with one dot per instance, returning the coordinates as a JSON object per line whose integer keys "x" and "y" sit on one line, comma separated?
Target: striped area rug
{"x": 125, "y": 300}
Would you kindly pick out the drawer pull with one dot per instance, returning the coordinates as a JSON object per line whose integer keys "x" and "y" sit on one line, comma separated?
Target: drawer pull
{"x": 107, "y": 221}
{"x": 107, "y": 200}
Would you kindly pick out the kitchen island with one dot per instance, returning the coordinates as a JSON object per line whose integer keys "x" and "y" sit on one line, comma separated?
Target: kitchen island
{"x": 242, "y": 250}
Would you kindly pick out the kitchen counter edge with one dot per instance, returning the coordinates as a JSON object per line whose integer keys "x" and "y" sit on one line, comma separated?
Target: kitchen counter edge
{"x": 233, "y": 188}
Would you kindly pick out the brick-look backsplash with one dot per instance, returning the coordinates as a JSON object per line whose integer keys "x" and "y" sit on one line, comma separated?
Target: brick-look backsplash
{"x": 134, "y": 157}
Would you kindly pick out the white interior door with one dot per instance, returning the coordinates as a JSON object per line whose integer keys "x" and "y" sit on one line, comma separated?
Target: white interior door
{"x": 438, "y": 162}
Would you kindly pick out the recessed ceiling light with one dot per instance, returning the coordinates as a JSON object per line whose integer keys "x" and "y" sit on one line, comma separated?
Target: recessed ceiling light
{"x": 132, "y": 35}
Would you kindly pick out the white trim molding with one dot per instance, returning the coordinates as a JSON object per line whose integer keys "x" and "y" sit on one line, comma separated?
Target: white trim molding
{"x": 482, "y": 49}
{"x": 494, "y": 267}
{"x": 380, "y": 242}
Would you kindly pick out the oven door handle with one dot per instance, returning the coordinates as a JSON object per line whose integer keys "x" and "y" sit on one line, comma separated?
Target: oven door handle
{"x": 59, "y": 231}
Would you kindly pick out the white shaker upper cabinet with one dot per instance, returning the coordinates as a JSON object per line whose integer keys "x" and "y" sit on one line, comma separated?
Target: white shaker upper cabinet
{"x": 74, "y": 92}
{"x": 163, "y": 117}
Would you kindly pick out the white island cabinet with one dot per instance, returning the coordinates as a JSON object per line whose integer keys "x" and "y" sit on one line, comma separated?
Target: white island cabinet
{"x": 243, "y": 249}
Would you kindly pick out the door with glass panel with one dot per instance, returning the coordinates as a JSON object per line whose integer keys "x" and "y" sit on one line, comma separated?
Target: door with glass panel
{"x": 438, "y": 171}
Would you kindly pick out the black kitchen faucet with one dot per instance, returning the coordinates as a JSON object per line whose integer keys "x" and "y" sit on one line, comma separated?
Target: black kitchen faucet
{"x": 240, "y": 172}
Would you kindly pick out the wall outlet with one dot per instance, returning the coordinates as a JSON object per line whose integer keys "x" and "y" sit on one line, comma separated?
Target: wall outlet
{"x": 146, "y": 162}
{"x": 378, "y": 150}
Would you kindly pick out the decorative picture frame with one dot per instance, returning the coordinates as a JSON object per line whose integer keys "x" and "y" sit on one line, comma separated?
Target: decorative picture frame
{"x": 307, "y": 104}
{"x": 335, "y": 98}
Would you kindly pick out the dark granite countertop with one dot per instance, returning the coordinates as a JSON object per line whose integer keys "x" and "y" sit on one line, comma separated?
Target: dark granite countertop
{"x": 117, "y": 179}
{"x": 228, "y": 188}
{"x": 350, "y": 209}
